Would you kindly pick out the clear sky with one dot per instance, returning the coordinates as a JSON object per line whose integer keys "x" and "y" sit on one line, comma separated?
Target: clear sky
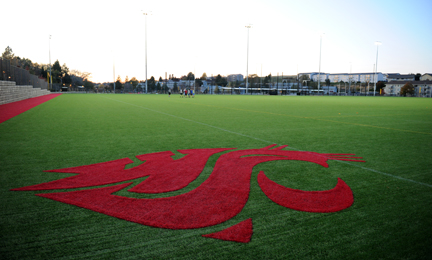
{"x": 210, "y": 36}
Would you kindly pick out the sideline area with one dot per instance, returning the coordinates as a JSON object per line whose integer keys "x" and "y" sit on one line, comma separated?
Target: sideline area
{"x": 7, "y": 111}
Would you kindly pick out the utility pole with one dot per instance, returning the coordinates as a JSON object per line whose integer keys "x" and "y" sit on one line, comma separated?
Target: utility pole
{"x": 146, "y": 81}
{"x": 319, "y": 73}
{"x": 247, "y": 57}
{"x": 114, "y": 71}
{"x": 50, "y": 78}
{"x": 376, "y": 65}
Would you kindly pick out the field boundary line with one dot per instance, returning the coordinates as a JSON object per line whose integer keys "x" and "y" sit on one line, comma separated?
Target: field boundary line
{"x": 387, "y": 174}
{"x": 266, "y": 141}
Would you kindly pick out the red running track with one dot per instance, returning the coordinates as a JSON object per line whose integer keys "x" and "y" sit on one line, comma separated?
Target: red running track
{"x": 7, "y": 111}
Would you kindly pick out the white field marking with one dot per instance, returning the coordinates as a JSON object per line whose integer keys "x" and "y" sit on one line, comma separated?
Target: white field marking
{"x": 387, "y": 174}
{"x": 266, "y": 141}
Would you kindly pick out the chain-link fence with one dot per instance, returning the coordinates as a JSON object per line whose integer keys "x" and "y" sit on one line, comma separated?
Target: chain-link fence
{"x": 9, "y": 72}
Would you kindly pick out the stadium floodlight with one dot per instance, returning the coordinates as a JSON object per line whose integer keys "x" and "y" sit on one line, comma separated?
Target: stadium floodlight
{"x": 376, "y": 65}
{"x": 319, "y": 72}
{"x": 247, "y": 57}
{"x": 50, "y": 78}
{"x": 114, "y": 72}
{"x": 350, "y": 78}
{"x": 145, "y": 15}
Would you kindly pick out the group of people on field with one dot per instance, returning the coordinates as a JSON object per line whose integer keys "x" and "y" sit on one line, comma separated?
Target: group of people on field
{"x": 187, "y": 93}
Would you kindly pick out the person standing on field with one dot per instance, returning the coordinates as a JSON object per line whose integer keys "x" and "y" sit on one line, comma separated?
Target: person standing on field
{"x": 181, "y": 92}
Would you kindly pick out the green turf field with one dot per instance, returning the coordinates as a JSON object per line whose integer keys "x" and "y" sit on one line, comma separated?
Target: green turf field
{"x": 391, "y": 217}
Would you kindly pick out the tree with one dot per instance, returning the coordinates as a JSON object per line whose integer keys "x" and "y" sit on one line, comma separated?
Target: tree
{"x": 198, "y": 82}
{"x": 64, "y": 69}
{"x": 304, "y": 77}
{"x": 204, "y": 76}
{"x": 43, "y": 73}
{"x": 327, "y": 81}
{"x": 220, "y": 81}
{"x": 417, "y": 77}
{"x": 267, "y": 79}
{"x": 79, "y": 77}
{"x": 56, "y": 66}
{"x": 134, "y": 82}
{"x": 190, "y": 76}
{"x": 24, "y": 63}
{"x": 88, "y": 85}
{"x": 164, "y": 88}
{"x": 126, "y": 79}
{"x": 407, "y": 89}
{"x": 8, "y": 53}
{"x": 151, "y": 84}
{"x": 79, "y": 74}
{"x": 56, "y": 72}
{"x": 380, "y": 85}
{"x": 253, "y": 80}
{"x": 65, "y": 77}
{"x": 118, "y": 84}
{"x": 175, "y": 88}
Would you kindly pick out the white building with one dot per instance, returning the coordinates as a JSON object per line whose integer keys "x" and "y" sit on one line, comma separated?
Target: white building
{"x": 370, "y": 77}
{"x": 421, "y": 88}
{"x": 235, "y": 77}
{"x": 426, "y": 76}
{"x": 400, "y": 77}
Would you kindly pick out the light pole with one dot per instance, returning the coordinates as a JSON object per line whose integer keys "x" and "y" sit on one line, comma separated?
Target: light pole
{"x": 247, "y": 57}
{"x": 319, "y": 72}
{"x": 350, "y": 77}
{"x": 145, "y": 14}
{"x": 114, "y": 72}
{"x": 376, "y": 65}
{"x": 50, "y": 79}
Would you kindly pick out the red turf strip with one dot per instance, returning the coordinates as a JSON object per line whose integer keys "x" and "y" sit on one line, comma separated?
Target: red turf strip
{"x": 7, "y": 111}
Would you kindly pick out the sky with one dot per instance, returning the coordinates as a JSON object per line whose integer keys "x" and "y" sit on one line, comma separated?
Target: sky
{"x": 107, "y": 38}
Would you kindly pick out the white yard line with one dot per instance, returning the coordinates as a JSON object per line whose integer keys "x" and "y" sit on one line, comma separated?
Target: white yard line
{"x": 269, "y": 142}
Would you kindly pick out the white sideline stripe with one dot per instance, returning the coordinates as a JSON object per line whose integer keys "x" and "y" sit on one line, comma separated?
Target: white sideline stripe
{"x": 387, "y": 174}
{"x": 262, "y": 140}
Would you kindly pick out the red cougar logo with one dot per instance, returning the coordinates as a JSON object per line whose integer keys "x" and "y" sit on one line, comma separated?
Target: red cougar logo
{"x": 218, "y": 199}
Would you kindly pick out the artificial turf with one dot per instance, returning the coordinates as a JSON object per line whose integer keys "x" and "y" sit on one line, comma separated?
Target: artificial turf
{"x": 391, "y": 217}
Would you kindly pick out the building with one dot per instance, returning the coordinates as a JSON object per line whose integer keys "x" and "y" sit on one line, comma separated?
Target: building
{"x": 426, "y": 76}
{"x": 322, "y": 76}
{"x": 312, "y": 75}
{"x": 329, "y": 90}
{"x": 235, "y": 77}
{"x": 421, "y": 88}
{"x": 400, "y": 77}
{"x": 370, "y": 77}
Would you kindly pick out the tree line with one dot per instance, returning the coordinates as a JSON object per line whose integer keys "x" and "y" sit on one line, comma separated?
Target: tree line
{"x": 60, "y": 74}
